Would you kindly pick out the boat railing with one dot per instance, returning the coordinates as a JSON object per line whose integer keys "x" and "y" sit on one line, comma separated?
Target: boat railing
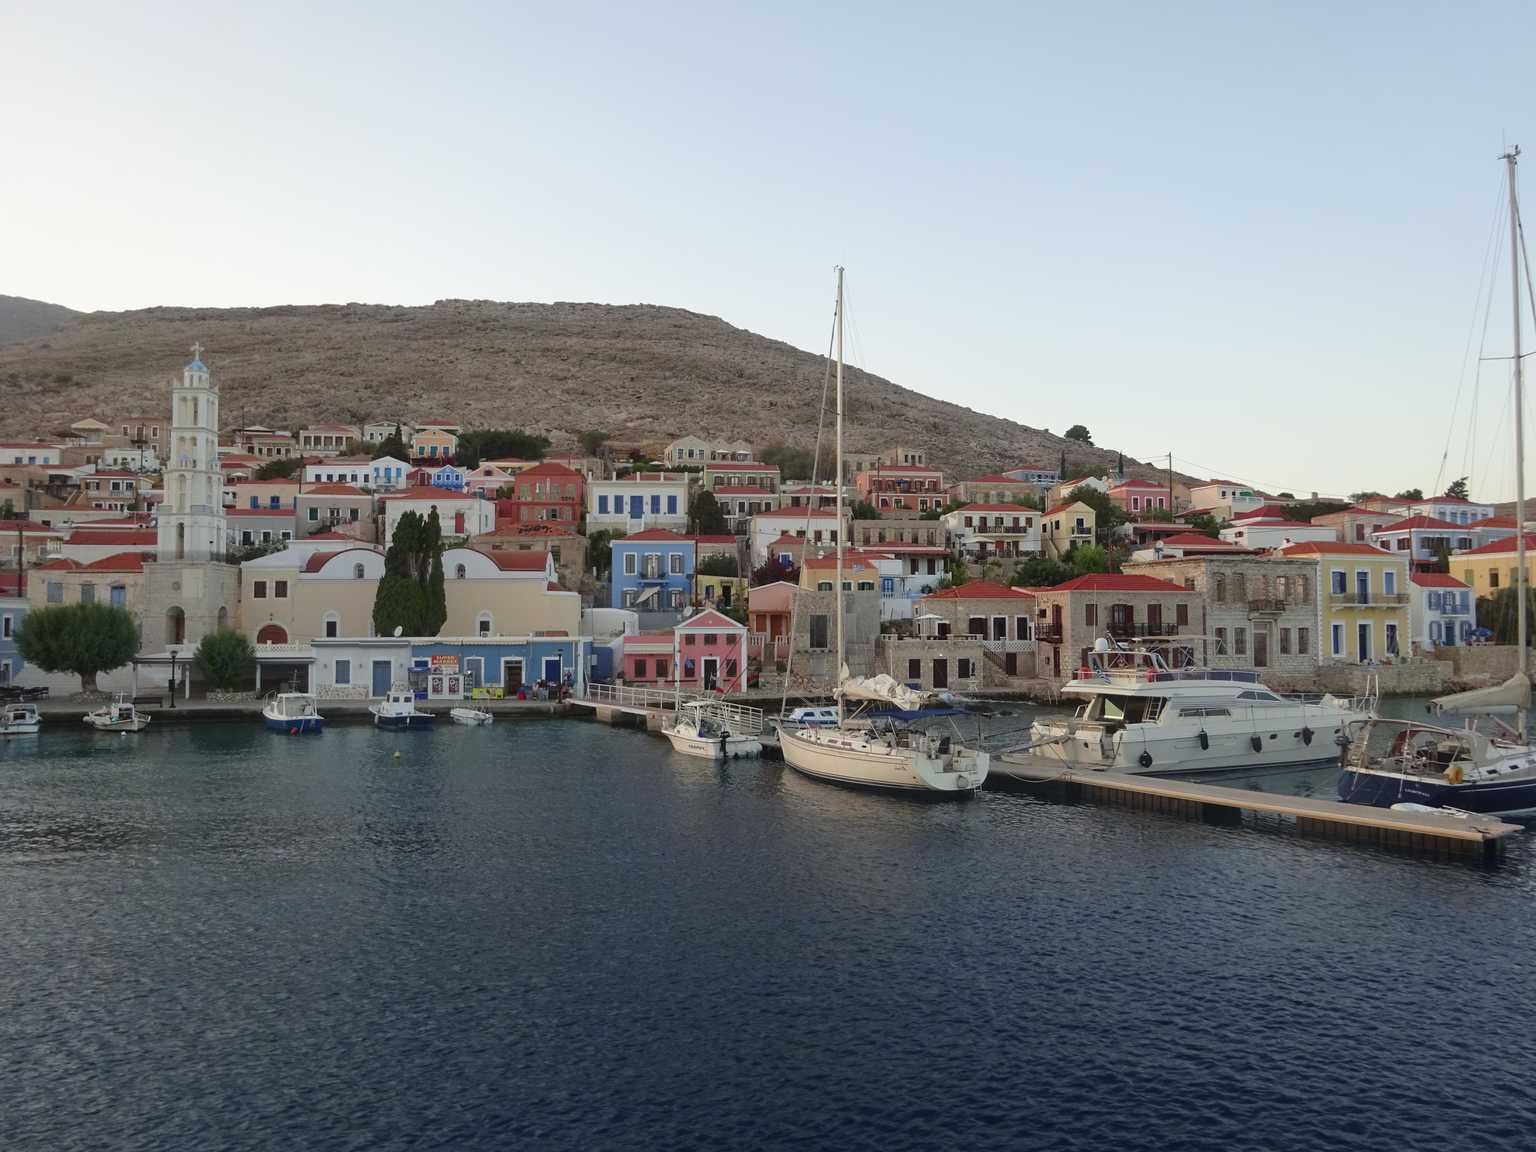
{"x": 1149, "y": 675}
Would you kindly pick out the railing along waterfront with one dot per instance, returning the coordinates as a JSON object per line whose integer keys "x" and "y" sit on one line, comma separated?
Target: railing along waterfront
{"x": 742, "y": 718}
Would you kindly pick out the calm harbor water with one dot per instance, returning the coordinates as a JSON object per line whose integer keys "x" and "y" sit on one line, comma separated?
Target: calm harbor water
{"x": 553, "y": 934}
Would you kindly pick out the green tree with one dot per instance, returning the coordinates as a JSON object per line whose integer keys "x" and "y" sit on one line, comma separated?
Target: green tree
{"x": 410, "y": 595}
{"x": 793, "y": 463}
{"x": 283, "y": 468}
{"x": 600, "y": 550}
{"x": 955, "y": 574}
{"x": 1107, "y": 513}
{"x": 1458, "y": 489}
{"x": 771, "y": 570}
{"x": 1079, "y": 433}
{"x": 499, "y": 444}
{"x": 1498, "y": 613}
{"x": 437, "y": 596}
{"x": 705, "y": 516}
{"x": 393, "y": 445}
{"x": 592, "y": 441}
{"x": 717, "y": 565}
{"x": 1029, "y": 500}
{"x": 1410, "y": 494}
{"x": 1041, "y": 572}
{"x": 1087, "y": 558}
{"x": 863, "y": 510}
{"x": 1205, "y": 524}
{"x": 84, "y": 639}
{"x": 225, "y": 659}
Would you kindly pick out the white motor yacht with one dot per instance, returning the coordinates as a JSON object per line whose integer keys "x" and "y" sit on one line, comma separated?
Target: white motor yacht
{"x": 1141, "y": 715}
{"x": 696, "y": 731}
{"x": 20, "y": 720}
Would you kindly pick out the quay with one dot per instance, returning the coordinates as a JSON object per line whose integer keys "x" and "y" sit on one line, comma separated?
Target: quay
{"x": 195, "y": 712}
{"x": 650, "y": 708}
{"x": 1432, "y": 833}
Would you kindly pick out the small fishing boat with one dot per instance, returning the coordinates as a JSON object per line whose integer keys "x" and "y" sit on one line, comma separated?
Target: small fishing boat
{"x": 470, "y": 716}
{"x": 398, "y": 710}
{"x": 118, "y": 716}
{"x": 20, "y": 720}
{"x": 293, "y": 713}
{"x": 696, "y": 732}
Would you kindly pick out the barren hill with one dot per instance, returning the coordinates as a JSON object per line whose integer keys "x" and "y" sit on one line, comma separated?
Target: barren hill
{"x": 639, "y": 372}
{"x": 22, "y": 319}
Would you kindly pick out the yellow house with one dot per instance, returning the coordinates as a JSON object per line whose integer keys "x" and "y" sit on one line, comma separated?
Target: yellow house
{"x": 1494, "y": 566}
{"x": 433, "y": 444}
{"x": 1362, "y": 600}
{"x": 721, "y": 591}
{"x": 1064, "y": 525}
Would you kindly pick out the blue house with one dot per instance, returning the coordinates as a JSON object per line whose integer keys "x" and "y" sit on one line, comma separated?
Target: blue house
{"x": 653, "y": 571}
{"x": 12, "y": 609}
{"x": 450, "y": 477}
{"x": 504, "y": 662}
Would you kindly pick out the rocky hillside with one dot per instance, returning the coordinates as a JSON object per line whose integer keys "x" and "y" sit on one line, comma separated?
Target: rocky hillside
{"x": 23, "y": 319}
{"x": 639, "y": 372}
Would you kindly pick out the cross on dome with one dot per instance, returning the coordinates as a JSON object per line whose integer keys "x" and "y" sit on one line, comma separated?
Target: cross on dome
{"x": 197, "y": 350}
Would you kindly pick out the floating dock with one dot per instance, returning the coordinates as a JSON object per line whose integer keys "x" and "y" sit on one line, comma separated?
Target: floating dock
{"x": 1432, "y": 833}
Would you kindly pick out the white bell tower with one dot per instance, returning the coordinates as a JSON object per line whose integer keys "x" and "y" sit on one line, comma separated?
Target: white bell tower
{"x": 191, "y": 517}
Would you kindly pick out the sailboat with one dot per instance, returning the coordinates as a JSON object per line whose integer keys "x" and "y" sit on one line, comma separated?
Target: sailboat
{"x": 1464, "y": 769}
{"x": 873, "y": 755}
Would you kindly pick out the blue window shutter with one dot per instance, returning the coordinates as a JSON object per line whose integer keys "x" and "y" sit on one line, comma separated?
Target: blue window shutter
{"x": 655, "y": 505}
{"x": 671, "y": 505}
{"x": 602, "y": 504}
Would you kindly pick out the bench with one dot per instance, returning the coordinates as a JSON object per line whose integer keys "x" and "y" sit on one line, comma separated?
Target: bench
{"x": 149, "y": 700}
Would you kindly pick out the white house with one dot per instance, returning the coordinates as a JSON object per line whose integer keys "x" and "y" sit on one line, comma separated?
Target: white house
{"x": 1263, "y": 533}
{"x": 1452, "y": 509}
{"x": 985, "y": 530}
{"x": 1225, "y": 499}
{"x": 326, "y": 439}
{"x": 459, "y": 514}
{"x": 1424, "y": 538}
{"x": 377, "y": 431}
{"x": 1441, "y": 610}
{"x": 687, "y": 450}
{"x": 644, "y": 500}
{"x": 354, "y": 470}
{"x": 818, "y": 525}
{"x": 387, "y": 473}
{"x": 27, "y": 452}
{"x": 131, "y": 459}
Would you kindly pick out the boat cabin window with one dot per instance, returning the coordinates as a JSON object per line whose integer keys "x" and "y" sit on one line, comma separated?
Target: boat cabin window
{"x": 1127, "y": 709}
{"x": 1205, "y": 711}
{"x": 1252, "y": 695}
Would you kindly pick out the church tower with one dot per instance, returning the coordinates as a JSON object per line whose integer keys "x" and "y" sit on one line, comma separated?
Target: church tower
{"x": 191, "y": 516}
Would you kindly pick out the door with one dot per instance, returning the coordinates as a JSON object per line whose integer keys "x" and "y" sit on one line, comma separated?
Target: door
{"x": 941, "y": 673}
{"x": 999, "y": 627}
{"x": 711, "y": 671}
{"x": 1011, "y": 663}
{"x": 1363, "y": 596}
{"x": 636, "y": 507}
{"x": 552, "y": 669}
{"x": 1261, "y": 648}
{"x": 1364, "y": 632}
{"x": 379, "y": 685}
{"x": 1056, "y": 660}
{"x": 1154, "y": 619}
{"x": 511, "y": 675}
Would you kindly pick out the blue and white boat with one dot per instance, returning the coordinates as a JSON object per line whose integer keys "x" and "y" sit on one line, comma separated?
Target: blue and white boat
{"x": 398, "y": 710}
{"x": 293, "y": 713}
{"x": 1409, "y": 762}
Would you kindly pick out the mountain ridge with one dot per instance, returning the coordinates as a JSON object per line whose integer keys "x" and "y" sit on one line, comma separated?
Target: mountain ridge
{"x": 641, "y": 372}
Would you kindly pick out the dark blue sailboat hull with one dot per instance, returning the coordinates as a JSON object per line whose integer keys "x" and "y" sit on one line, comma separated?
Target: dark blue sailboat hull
{"x": 1494, "y": 797}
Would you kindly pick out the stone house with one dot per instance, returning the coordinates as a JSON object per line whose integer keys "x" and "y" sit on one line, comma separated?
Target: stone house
{"x": 1071, "y": 617}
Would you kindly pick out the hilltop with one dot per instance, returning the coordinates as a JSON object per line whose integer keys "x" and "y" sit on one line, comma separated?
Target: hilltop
{"x": 639, "y": 372}
{"x": 23, "y": 319}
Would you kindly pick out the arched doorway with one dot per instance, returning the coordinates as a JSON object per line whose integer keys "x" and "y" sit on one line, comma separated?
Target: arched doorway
{"x": 175, "y": 626}
{"x": 271, "y": 634}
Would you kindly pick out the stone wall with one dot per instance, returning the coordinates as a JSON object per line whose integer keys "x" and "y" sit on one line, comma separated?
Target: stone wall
{"x": 1410, "y": 678}
{"x": 1493, "y": 661}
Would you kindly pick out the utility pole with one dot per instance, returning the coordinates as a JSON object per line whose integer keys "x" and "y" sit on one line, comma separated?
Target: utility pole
{"x": 1170, "y": 485}
{"x": 1510, "y": 158}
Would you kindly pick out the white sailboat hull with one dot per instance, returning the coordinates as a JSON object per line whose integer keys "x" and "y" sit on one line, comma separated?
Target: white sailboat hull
{"x": 856, "y": 759}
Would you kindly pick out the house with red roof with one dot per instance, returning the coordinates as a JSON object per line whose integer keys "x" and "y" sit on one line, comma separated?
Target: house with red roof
{"x": 1355, "y": 524}
{"x": 459, "y": 513}
{"x": 1137, "y": 497}
{"x": 328, "y": 439}
{"x": 116, "y": 579}
{"x": 343, "y": 508}
{"x": 1066, "y": 525}
{"x": 995, "y": 488}
{"x": 982, "y": 532}
{"x": 1491, "y": 567}
{"x": 1362, "y": 599}
{"x": 901, "y": 489}
{"x": 99, "y": 543}
{"x": 1441, "y": 611}
{"x": 1072, "y": 617}
{"x": 1452, "y": 509}
{"x": 1424, "y": 540}
{"x": 545, "y": 493}
{"x": 706, "y": 652}
{"x": 975, "y": 636}
{"x": 1224, "y": 499}
{"x": 1263, "y": 532}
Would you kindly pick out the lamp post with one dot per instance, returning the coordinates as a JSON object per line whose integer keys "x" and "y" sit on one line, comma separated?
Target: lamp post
{"x": 173, "y": 677}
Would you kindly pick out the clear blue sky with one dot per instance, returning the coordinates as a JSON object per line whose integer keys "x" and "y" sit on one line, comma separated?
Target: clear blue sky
{"x": 1249, "y": 234}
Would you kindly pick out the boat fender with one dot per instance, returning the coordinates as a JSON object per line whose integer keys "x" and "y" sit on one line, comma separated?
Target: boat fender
{"x": 1453, "y": 774}
{"x": 1257, "y": 742}
{"x": 1145, "y": 760}
{"x": 1306, "y": 735}
{"x": 1205, "y": 740}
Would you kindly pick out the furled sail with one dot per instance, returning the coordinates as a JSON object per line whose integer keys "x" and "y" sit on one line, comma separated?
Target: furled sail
{"x": 1514, "y": 693}
{"x": 881, "y": 689}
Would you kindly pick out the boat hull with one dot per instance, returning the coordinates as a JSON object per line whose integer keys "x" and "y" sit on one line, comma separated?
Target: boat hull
{"x": 26, "y": 728}
{"x": 1509, "y": 797}
{"x": 840, "y": 759}
{"x": 295, "y": 726}
{"x": 1155, "y": 754}
{"x": 713, "y": 748}
{"x": 409, "y": 720}
{"x": 470, "y": 717}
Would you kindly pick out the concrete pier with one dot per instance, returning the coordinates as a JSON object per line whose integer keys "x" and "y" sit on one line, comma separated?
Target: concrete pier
{"x": 1433, "y": 833}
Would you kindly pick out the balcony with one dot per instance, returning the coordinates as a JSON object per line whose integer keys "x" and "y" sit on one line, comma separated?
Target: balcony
{"x": 1048, "y": 634}
{"x": 1265, "y": 607}
{"x": 1370, "y": 599}
{"x": 1129, "y": 629}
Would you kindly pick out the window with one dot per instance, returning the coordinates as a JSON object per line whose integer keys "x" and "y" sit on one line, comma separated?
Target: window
{"x": 866, "y": 585}
{"x": 963, "y": 668}
{"x": 1221, "y": 641}
{"x": 259, "y": 590}
{"x": 458, "y": 571}
{"x": 118, "y": 595}
{"x": 352, "y": 515}
{"x": 914, "y": 669}
{"x": 640, "y": 667}
{"x": 602, "y": 504}
{"x": 1389, "y": 582}
{"x": 690, "y": 639}
{"x": 1493, "y": 577}
{"x": 483, "y": 624}
{"x": 1090, "y": 614}
{"x": 1285, "y": 641}
{"x": 1221, "y": 589}
{"x": 314, "y": 514}
{"x": 274, "y": 502}
{"x": 1340, "y": 582}
{"x": 1181, "y": 615}
{"x": 5, "y": 626}
{"x": 1240, "y": 641}
{"x": 675, "y": 563}
{"x": 655, "y": 505}
{"x": 343, "y": 672}
{"x": 1434, "y": 600}
{"x": 280, "y": 589}
{"x": 671, "y": 505}
{"x": 819, "y": 631}
{"x": 824, "y": 586}
{"x": 1303, "y": 642}
{"x": 631, "y": 563}
{"x": 357, "y": 571}
{"x": 87, "y": 593}
{"x": 1338, "y": 639}
{"x": 332, "y": 626}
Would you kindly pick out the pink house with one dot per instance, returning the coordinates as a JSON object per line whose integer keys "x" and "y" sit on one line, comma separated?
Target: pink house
{"x": 1140, "y": 496}
{"x": 704, "y": 652}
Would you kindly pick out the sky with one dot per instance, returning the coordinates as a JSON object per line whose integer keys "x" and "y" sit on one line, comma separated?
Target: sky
{"x": 1256, "y": 236}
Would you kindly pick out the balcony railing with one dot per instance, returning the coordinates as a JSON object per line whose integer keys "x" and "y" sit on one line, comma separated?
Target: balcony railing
{"x": 1048, "y": 634}
{"x": 1126, "y": 629}
{"x": 1266, "y": 605}
{"x": 1382, "y": 599}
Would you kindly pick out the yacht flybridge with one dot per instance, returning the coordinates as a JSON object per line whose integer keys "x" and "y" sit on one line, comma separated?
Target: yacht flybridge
{"x": 1141, "y": 713}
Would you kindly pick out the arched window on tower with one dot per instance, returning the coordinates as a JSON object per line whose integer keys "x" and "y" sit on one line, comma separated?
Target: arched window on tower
{"x": 458, "y": 571}
{"x": 357, "y": 572}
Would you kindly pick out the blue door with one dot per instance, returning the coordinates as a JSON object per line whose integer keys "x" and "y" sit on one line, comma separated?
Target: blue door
{"x": 1362, "y": 587}
{"x": 380, "y": 678}
{"x": 552, "y": 669}
{"x": 636, "y": 507}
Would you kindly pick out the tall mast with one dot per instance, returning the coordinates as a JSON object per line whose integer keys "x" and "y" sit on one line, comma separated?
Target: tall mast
{"x": 1510, "y": 158}
{"x": 837, "y": 583}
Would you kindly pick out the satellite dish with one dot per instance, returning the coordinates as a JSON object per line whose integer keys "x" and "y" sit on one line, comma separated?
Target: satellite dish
{"x": 399, "y": 628}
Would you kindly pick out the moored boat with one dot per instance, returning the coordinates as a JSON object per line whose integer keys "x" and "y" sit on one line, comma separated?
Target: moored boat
{"x": 118, "y": 716}
{"x": 398, "y": 710}
{"x": 470, "y": 716}
{"x": 293, "y": 713}
{"x": 695, "y": 731}
{"x": 20, "y": 720}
